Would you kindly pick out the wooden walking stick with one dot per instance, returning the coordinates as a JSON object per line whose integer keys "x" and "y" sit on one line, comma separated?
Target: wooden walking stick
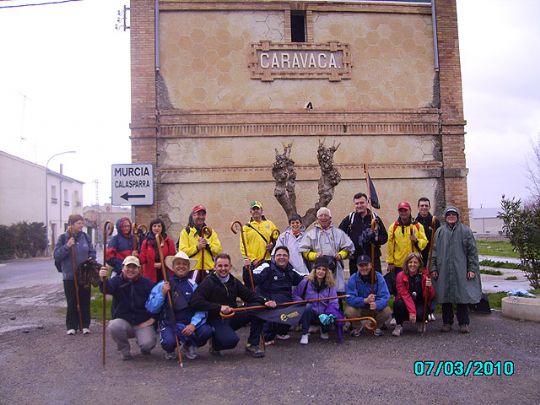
{"x": 134, "y": 235}
{"x": 172, "y": 317}
{"x": 75, "y": 281}
{"x": 108, "y": 228}
{"x": 205, "y": 232}
{"x": 428, "y": 268}
{"x": 283, "y": 304}
{"x": 241, "y": 230}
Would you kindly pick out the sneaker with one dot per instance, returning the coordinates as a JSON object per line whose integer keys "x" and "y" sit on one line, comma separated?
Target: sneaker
{"x": 254, "y": 351}
{"x": 393, "y": 322}
{"x": 190, "y": 352}
{"x": 431, "y": 317}
{"x": 378, "y": 332}
{"x": 126, "y": 356}
{"x": 283, "y": 337}
{"x": 70, "y": 332}
{"x": 170, "y": 356}
{"x": 324, "y": 335}
{"x": 269, "y": 342}
{"x": 304, "y": 340}
{"x": 397, "y": 331}
{"x": 356, "y": 332}
{"x": 464, "y": 329}
{"x": 446, "y": 327}
{"x": 85, "y": 331}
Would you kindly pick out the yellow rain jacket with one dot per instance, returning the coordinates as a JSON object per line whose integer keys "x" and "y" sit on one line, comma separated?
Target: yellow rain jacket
{"x": 256, "y": 245}
{"x": 400, "y": 244}
{"x": 188, "y": 244}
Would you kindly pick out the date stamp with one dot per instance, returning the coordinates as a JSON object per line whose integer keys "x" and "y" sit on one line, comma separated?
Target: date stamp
{"x": 471, "y": 368}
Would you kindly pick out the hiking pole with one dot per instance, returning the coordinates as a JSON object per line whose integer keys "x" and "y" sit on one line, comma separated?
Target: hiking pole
{"x": 172, "y": 317}
{"x": 283, "y": 304}
{"x": 108, "y": 228}
{"x": 205, "y": 232}
{"x": 428, "y": 267}
{"x": 134, "y": 234}
{"x": 75, "y": 281}
{"x": 241, "y": 230}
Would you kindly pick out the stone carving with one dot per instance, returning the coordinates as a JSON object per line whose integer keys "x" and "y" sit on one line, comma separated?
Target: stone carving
{"x": 284, "y": 174}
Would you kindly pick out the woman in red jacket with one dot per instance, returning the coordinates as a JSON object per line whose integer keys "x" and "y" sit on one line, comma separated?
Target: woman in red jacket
{"x": 149, "y": 256}
{"x": 412, "y": 287}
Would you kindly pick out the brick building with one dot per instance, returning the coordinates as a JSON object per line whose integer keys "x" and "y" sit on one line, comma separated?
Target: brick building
{"x": 217, "y": 86}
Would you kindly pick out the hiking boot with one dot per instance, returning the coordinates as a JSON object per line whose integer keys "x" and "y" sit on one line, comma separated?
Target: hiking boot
{"x": 304, "y": 340}
{"x": 283, "y": 337}
{"x": 464, "y": 329}
{"x": 70, "y": 332}
{"x": 378, "y": 332}
{"x": 190, "y": 352}
{"x": 85, "y": 331}
{"x": 254, "y": 351}
{"x": 170, "y": 355}
{"x": 397, "y": 331}
{"x": 213, "y": 351}
{"x": 146, "y": 352}
{"x": 446, "y": 328}
{"x": 324, "y": 335}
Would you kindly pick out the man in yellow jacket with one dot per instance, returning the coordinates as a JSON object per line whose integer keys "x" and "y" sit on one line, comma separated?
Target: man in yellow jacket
{"x": 404, "y": 237}
{"x": 260, "y": 235}
{"x": 199, "y": 245}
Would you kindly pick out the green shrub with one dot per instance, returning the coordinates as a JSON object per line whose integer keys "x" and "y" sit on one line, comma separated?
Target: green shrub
{"x": 491, "y": 272}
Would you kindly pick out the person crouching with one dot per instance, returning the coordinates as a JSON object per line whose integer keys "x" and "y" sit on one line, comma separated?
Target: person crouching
{"x": 130, "y": 318}
{"x": 413, "y": 289}
{"x": 191, "y": 328}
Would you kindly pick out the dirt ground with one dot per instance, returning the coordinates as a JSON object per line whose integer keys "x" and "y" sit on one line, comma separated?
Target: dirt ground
{"x": 39, "y": 364}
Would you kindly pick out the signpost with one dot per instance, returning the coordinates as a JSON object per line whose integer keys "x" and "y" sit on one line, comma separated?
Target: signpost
{"x": 132, "y": 184}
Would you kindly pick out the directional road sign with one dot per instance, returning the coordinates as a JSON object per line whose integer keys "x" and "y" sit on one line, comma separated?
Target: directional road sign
{"x": 133, "y": 184}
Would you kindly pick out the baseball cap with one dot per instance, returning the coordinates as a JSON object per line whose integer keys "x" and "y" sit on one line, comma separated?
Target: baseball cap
{"x": 363, "y": 259}
{"x": 255, "y": 204}
{"x": 404, "y": 205}
{"x": 131, "y": 260}
{"x": 197, "y": 208}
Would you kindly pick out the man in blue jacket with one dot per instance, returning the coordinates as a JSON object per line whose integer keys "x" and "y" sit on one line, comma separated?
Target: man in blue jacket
{"x": 191, "y": 328}
{"x": 130, "y": 318}
{"x": 363, "y": 299}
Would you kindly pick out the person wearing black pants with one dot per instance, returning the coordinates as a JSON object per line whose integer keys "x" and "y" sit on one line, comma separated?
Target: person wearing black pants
{"x": 73, "y": 248}
{"x": 413, "y": 288}
{"x": 217, "y": 294}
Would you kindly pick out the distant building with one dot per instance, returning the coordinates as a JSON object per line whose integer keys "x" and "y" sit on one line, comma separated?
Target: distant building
{"x": 95, "y": 217}
{"x": 26, "y": 194}
{"x": 484, "y": 221}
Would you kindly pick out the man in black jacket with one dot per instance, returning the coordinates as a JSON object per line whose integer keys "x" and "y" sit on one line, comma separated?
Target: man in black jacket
{"x": 218, "y": 293}
{"x": 357, "y": 225}
{"x": 130, "y": 318}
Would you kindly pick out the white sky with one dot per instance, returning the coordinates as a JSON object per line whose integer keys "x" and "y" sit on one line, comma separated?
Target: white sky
{"x": 65, "y": 85}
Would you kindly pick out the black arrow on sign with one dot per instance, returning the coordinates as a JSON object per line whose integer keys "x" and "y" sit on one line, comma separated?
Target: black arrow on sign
{"x": 127, "y": 196}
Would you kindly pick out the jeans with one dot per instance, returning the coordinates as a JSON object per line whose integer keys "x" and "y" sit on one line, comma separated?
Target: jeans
{"x": 199, "y": 337}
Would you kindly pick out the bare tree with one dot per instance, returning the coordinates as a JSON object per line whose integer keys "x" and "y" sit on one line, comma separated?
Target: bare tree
{"x": 533, "y": 169}
{"x": 284, "y": 174}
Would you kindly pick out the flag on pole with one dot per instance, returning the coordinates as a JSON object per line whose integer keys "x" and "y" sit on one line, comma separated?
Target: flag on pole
{"x": 372, "y": 193}
{"x": 289, "y": 315}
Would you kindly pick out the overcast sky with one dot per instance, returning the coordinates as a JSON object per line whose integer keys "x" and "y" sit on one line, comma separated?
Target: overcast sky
{"x": 64, "y": 85}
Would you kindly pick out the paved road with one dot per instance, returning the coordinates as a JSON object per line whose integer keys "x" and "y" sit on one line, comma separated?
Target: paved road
{"x": 28, "y": 272}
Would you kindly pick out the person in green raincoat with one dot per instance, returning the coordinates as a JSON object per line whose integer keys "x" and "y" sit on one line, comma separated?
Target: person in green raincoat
{"x": 455, "y": 270}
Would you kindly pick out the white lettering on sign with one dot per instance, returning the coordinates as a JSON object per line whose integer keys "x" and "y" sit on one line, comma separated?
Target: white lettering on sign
{"x": 276, "y": 59}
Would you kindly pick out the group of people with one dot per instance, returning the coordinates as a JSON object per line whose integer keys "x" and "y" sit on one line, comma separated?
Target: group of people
{"x": 188, "y": 296}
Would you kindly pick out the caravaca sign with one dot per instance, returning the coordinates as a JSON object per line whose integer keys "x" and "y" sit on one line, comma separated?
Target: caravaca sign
{"x": 270, "y": 61}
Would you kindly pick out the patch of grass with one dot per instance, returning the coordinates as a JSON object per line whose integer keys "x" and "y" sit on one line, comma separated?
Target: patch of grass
{"x": 96, "y": 304}
{"x": 501, "y": 248}
{"x": 500, "y": 265}
{"x": 495, "y": 299}
{"x": 492, "y": 272}
{"x": 511, "y": 278}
